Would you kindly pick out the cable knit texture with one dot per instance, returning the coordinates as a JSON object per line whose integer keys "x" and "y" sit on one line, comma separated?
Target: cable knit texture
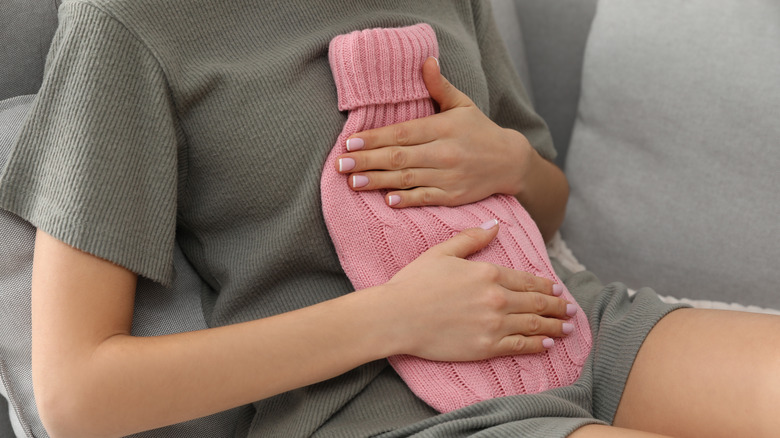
{"x": 378, "y": 75}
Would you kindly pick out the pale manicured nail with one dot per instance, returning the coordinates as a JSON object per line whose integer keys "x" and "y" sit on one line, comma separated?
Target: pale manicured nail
{"x": 346, "y": 164}
{"x": 437, "y": 62}
{"x": 393, "y": 199}
{"x": 355, "y": 144}
{"x": 568, "y": 328}
{"x": 359, "y": 181}
{"x": 571, "y": 309}
{"x": 557, "y": 290}
{"x": 548, "y": 343}
{"x": 489, "y": 224}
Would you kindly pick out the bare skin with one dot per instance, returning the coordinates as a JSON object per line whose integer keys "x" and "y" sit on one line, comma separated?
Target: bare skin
{"x": 600, "y": 431}
{"x": 706, "y": 373}
{"x": 703, "y": 373}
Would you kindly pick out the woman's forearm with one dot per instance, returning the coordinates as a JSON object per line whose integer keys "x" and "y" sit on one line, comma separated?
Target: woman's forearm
{"x": 131, "y": 384}
{"x": 92, "y": 378}
{"x": 544, "y": 192}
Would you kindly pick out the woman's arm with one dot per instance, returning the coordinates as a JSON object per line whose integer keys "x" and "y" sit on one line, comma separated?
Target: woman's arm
{"x": 543, "y": 192}
{"x": 456, "y": 157}
{"x": 92, "y": 378}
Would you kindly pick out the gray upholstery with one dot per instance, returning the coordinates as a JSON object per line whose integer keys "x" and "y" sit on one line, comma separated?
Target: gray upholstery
{"x": 6, "y": 428}
{"x": 674, "y": 159}
{"x": 554, "y": 33}
{"x": 26, "y": 29}
{"x": 506, "y": 15}
{"x": 16, "y": 256}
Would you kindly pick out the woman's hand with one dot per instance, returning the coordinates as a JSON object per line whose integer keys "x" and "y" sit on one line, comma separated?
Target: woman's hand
{"x": 442, "y": 307}
{"x": 455, "y": 157}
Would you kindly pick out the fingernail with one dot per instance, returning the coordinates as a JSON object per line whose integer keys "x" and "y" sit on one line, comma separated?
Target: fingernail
{"x": 355, "y": 144}
{"x": 548, "y": 343}
{"x": 437, "y": 62}
{"x": 489, "y": 224}
{"x": 568, "y": 328}
{"x": 557, "y": 290}
{"x": 571, "y": 309}
{"x": 359, "y": 181}
{"x": 346, "y": 164}
{"x": 393, "y": 199}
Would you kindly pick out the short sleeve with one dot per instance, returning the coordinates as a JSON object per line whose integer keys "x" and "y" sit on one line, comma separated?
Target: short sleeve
{"x": 510, "y": 106}
{"x": 95, "y": 164}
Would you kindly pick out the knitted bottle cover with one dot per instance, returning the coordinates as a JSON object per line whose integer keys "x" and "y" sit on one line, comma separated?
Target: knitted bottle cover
{"x": 378, "y": 75}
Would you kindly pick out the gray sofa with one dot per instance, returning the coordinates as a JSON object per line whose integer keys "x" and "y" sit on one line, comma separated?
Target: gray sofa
{"x": 664, "y": 113}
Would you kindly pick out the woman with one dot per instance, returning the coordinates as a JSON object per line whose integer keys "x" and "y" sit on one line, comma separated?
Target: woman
{"x": 208, "y": 124}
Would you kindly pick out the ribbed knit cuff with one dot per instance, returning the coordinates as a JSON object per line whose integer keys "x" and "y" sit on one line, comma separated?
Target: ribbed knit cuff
{"x": 381, "y": 66}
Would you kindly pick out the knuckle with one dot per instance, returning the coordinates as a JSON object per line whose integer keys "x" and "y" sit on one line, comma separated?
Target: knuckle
{"x": 534, "y": 325}
{"x": 529, "y": 285}
{"x": 489, "y": 272}
{"x": 427, "y": 198}
{"x": 492, "y": 324}
{"x": 484, "y": 346}
{"x": 446, "y": 86}
{"x": 472, "y": 234}
{"x": 539, "y": 304}
{"x": 562, "y": 304}
{"x": 520, "y": 344}
{"x": 496, "y": 299}
{"x": 407, "y": 179}
{"x": 398, "y": 159}
{"x": 401, "y": 135}
{"x": 458, "y": 197}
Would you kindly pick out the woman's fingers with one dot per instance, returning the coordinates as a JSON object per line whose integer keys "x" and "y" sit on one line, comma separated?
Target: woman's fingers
{"x": 466, "y": 242}
{"x": 395, "y": 158}
{"x": 389, "y": 158}
{"x": 529, "y": 324}
{"x": 440, "y": 89}
{"x": 535, "y": 303}
{"x": 519, "y": 344}
{"x": 520, "y": 281}
{"x": 528, "y": 333}
{"x": 409, "y": 133}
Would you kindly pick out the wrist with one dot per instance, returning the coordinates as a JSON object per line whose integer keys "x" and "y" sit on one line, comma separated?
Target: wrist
{"x": 379, "y": 322}
{"x": 526, "y": 161}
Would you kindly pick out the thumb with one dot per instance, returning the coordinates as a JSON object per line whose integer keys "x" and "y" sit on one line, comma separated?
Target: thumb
{"x": 469, "y": 241}
{"x": 440, "y": 89}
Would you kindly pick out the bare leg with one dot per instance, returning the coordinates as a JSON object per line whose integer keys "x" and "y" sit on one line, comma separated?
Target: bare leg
{"x": 706, "y": 373}
{"x": 599, "y": 431}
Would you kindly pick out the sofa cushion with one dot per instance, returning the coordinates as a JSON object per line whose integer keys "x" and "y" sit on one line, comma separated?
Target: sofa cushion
{"x": 158, "y": 310}
{"x": 26, "y": 30}
{"x": 674, "y": 158}
{"x": 554, "y": 34}
{"x": 507, "y": 22}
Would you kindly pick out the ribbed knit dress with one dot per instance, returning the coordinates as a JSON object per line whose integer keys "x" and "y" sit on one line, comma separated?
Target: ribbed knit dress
{"x": 206, "y": 123}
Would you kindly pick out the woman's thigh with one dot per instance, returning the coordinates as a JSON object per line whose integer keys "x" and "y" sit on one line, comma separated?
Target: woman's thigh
{"x": 599, "y": 431}
{"x": 706, "y": 373}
